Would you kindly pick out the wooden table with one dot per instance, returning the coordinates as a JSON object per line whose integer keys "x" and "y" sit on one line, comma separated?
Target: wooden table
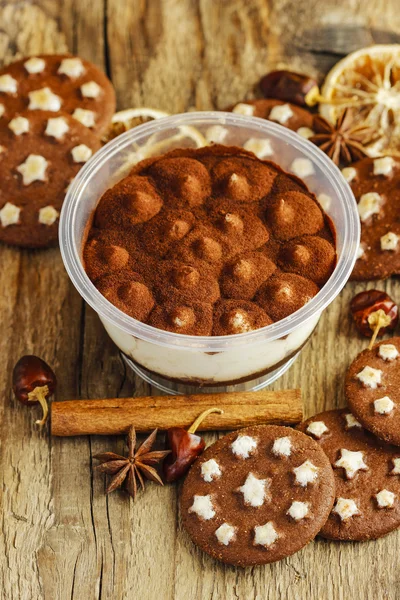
{"x": 61, "y": 537}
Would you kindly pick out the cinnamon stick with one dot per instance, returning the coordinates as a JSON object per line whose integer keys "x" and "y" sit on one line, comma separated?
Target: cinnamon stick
{"x": 114, "y": 416}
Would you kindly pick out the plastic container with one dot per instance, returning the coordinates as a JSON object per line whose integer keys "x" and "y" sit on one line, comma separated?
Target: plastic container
{"x": 178, "y": 363}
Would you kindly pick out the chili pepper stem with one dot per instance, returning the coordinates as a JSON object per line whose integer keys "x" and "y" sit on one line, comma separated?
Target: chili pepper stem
{"x": 200, "y": 418}
{"x": 314, "y": 97}
{"x": 382, "y": 320}
{"x": 39, "y": 395}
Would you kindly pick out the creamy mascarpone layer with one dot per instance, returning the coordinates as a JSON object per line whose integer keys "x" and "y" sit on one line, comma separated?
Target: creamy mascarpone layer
{"x": 226, "y": 366}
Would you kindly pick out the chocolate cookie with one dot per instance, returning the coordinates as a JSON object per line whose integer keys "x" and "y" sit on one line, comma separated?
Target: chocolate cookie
{"x": 54, "y": 82}
{"x": 289, "y": 115}
{"x": 257, "y": 495}
{"x": 376, "y": 186}
{"x": 40, "y": 153}
{"x": 373, "y": 389}
{"x": 367, "y": 477}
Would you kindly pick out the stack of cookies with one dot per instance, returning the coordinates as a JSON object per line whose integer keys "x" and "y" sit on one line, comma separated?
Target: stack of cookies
{"x": 261, "y": 494}
{"x": 53, "y": 111}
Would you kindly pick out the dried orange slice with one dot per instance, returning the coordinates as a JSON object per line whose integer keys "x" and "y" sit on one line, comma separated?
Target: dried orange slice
{"x": 369, "y": 80}
{"x": 130, "y": 118}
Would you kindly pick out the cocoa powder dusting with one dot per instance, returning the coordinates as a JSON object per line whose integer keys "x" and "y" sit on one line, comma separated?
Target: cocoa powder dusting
{"x": 211, "y": 241}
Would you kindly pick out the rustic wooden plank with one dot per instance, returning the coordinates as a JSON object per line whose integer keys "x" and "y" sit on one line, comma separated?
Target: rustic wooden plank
{"x": 60, "y": 536}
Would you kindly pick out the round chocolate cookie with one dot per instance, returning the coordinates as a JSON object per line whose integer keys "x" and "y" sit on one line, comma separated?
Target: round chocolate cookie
{"x": 376, "y": 186}
{"x": 53, "y": 82}
{"x": 40, "y": 153}
{"x": 257, "y": 495}
{"x": 373, "y": 389}
{"x": 367, "y": 477}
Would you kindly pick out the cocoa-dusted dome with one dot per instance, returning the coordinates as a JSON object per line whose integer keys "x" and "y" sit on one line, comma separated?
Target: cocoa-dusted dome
{"x": 210, "y": 241}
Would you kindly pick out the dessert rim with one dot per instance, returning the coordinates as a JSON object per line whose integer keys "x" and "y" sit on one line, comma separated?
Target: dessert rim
{"x": 71, "y": 253}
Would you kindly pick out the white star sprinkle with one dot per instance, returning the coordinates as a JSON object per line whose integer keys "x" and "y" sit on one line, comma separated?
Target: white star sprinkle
{"x": 298, "y": 510}
{"x": 244, "y": 109}
{"x": 396, "y": 466}
{"x": 389, "y": 241}
{"x": 349, "y": 173}
{"x": 385, "y": 499}
{"x": 19, "y": 125}
{"x": 306, "y": 473}
{"x": 72, "y": 67}
{"x": 34, "y": 65}
{"x": 370, "y": 377}
{"x": 86, "y": 117}
{"x": 351, "y": 421}
{"x": 9, "y": 214}
{"x": 351, "y": 462}
{"x": 81, "y": 153}
{"x": 33, "y": 169}
{"x": 91, "y": 89}
{"x": 282, "y": 446}
{"x": 225, "y": 533}
{"x": 57, "y": 128}
{"x": 203, "y": 507}
{"x": 48, "y": 215}
{"x": 244, "y": 446}
{"x": 384, "y": 166}
{"x": 317, "y": 429}
{"x": 383, "y": 406}
{"x": 44, "y": 99}
{"x": 8, "y": 84}
{"x": 265, "y": 535}
{"x": 216, "y": 134}
{"x": 254, "y": 490}
{"x": 388, "y": 352}
{"x": 305, "y": 132}
{"x": 345, "y": 508}
{"x": 210, "y": 470}
{"x": 281, "y": 113}
{"x": 369, "y": 205}
{"x": 302, "y": 167}
{"x": 260, "y": 147}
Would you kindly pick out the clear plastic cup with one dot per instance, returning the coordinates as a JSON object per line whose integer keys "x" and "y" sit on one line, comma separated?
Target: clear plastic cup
{"x": 177, "y": 363}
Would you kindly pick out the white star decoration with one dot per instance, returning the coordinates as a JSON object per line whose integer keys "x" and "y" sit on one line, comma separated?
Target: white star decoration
{"x": 385, "y": 499}
{"x": 33, "y": 169}
{"x": 265, "y": 535}
{"x": 44, "y": 99}
{"x": 203, "y": 507}
{"x": 345, "y": 508}
{"x": 254, "y": 490}
{"x": 244, "y": 446}
{"x": 396, "y": 466}
{"x": 351, "y": 462}
{"x": 306, "y": 473}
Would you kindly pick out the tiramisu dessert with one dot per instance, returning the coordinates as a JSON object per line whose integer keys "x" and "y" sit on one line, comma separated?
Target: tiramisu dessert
{"x": 209, "y": 242}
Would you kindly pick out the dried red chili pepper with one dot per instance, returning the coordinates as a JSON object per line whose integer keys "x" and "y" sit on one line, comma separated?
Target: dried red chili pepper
{"x": 374, "y": 313}
{"x": 185, "y": 447}
{"x": 290, "y": 87}
{"x": 33, "y": 383}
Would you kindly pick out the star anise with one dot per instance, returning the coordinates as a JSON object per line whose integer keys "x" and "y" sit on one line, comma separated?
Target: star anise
{"x": 134, "y": 468}
{"x": 344, "y": 142}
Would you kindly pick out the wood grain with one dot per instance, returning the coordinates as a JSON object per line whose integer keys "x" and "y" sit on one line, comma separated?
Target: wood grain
{"x": 61, "y": 538}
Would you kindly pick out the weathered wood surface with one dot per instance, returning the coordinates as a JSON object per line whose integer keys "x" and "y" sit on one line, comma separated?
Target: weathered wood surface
{"x": 61, "y": 538}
